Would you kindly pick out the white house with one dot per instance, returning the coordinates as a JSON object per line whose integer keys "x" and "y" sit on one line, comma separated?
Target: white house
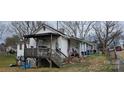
{"x": 56, "y": 43}
{"x": 118, "y": 43}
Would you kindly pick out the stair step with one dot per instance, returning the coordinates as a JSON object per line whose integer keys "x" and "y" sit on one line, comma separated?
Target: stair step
{"x": 57, "y": 62}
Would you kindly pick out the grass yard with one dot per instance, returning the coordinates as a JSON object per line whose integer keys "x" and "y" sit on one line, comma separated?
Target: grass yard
{"x": 6, "y": 60}
{"x": 121, "y": 54}
{"x": 94, "y": 63}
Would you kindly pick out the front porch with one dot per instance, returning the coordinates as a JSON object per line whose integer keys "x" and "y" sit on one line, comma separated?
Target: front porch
{"x": 45, "y": 50}
{"x": 36, "y": 52}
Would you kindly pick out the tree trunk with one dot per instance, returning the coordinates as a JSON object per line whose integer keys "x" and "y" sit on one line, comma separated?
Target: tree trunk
{"x": 105, "y": 50}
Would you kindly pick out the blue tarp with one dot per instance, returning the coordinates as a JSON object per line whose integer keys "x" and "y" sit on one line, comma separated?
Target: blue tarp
{"x": 27, "y": 65}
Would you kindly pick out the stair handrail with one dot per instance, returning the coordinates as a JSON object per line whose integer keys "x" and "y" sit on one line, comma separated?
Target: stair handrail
{"x": 61, "y": 52}
{"x": 56, "y": 52}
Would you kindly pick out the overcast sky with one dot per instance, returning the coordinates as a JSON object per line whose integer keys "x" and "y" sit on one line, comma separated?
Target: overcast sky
{"x": 6, "y": 33}
{"x": 9, "y": 34}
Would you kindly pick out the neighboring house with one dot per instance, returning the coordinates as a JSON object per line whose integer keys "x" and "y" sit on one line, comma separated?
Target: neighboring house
{"x": 118, "y": 43}
{"x": 20, "y": 49}
{"x": 11, "y": 49}
{"x": 51, "y": 45}
{"x": 2, "y": 48}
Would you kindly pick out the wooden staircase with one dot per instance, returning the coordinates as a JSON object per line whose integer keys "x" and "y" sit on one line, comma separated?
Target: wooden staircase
{"x": 52, "y": 56}
{"x": 57, "y": 58}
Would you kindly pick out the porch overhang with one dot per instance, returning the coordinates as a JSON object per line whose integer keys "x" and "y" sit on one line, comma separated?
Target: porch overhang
{"x": 75, "y": 39}
{"x": 41, "y": 35}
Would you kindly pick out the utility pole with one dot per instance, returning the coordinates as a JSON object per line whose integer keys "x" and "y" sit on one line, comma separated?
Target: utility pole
{"x": 51, "y": 50}
{"x": 115, "y": 49}
{"x": 57, "y": 24}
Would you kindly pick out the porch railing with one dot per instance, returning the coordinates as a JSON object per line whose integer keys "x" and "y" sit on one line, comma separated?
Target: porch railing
{"x": 56, "y": 57}
{"x": 30, "y": 52}
{"x": 36, "y": 52}
{"x": 43, "y": 52}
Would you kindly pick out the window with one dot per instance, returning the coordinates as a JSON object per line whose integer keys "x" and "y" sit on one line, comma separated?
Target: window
{"x": 20, "y": 46}
{"x": 32, "y": 46}
{"x": 44, "y": 28}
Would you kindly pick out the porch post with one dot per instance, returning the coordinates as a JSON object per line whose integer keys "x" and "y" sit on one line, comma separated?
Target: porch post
{"x": 69, "y": 53}
{"x": 25, "y": 53}
{"x": 50, "y": 50}
{"x": 37, "y": 61}
{"x": 80, "y": 48}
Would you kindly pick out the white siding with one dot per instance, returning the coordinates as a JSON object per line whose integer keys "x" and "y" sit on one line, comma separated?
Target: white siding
{"x": 42, "y": 31}
{"x": 83, "y": 47}
{"x": 54, "y": 43}
{"x": 32, "y": 43}
{"x": 20, "y": 52}
{"x": 80, "y": 48}
{"x": 47, "y": 43}
{"x": 63, "y": 45}
{"x": 75, "y": 44}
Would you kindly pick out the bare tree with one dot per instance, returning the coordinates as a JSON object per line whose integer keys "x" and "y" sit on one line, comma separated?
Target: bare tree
{"x": 22, "y": 28}
{"x": 77, "y": 28}
{"x": 11, "y": 41}
{"x": 1, "y": 32}
{"x": 106, "y": 32}
{"x": 3, "y": 28}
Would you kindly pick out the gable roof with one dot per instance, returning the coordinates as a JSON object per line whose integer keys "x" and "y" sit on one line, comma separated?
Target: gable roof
{"x": 52, "y": 31}
{"x": 87, "y": 42}
{"x": 55, "y": 32}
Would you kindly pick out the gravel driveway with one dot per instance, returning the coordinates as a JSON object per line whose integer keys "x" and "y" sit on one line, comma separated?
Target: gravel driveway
{"x": 119, "y": 63}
